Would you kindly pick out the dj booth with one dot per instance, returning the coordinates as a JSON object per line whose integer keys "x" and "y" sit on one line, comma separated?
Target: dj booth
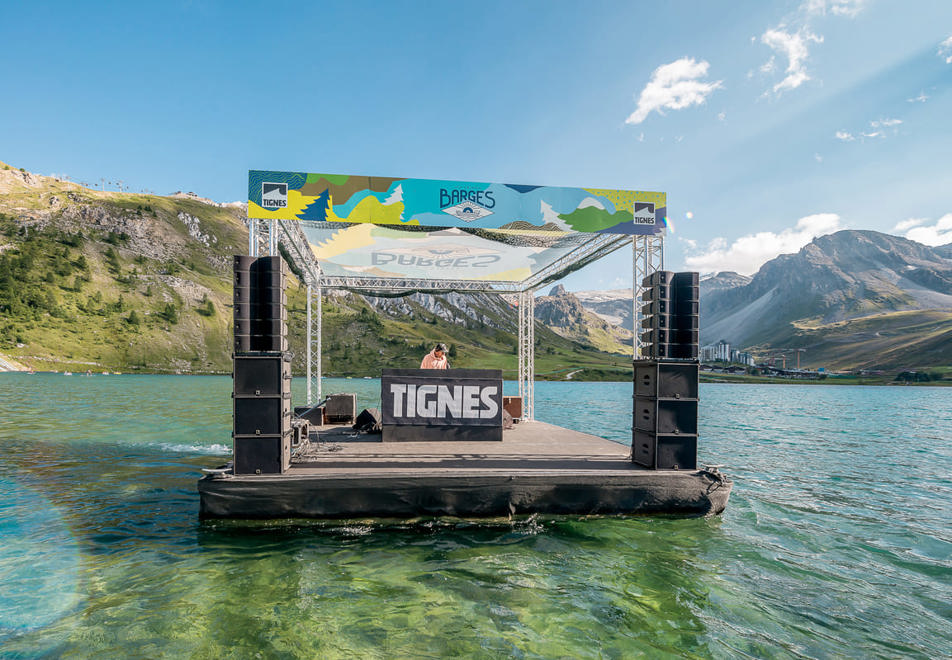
{"x": 420, "y": 405}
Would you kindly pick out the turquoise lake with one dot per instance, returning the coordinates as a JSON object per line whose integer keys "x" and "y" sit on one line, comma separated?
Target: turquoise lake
{"x": 837, "y": 541}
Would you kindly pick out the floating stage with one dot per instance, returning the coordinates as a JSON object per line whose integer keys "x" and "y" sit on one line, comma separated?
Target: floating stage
{"x": 536, "y": 468}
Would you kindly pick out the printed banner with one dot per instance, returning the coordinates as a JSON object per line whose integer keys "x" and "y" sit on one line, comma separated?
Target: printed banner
{"x": 438, "y": 203}
{"x": 440, "y": 400}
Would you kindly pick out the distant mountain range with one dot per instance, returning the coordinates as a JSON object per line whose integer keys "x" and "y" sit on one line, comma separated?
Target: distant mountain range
{"x": 853, "y": 299}
{"x": 93, "y": 279}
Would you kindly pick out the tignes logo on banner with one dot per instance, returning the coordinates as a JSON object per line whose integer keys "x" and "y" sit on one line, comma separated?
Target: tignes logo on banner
{"x": 274, "y": 195}
{"x": 644, "y": 213}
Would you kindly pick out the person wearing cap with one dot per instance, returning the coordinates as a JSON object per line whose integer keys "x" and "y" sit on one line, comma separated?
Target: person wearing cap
{"x": 436, "y": 359}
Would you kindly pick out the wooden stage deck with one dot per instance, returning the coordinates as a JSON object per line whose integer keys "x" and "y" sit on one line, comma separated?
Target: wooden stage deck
{"x": 537, "y": 468}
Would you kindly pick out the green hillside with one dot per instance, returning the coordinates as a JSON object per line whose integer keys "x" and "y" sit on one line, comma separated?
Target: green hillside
{"x": 93, "y": 280}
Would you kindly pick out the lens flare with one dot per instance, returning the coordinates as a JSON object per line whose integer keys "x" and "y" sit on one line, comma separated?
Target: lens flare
{"x": 39, "y": 561}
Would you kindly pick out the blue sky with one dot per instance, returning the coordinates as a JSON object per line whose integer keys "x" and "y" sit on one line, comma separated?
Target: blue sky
{"x": 765, "y": 123}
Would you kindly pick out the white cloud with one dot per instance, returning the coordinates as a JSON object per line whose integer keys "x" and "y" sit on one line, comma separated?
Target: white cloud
{"x": 922, "y": 98}
{"x": 938, "y": 234}
{"x": 748, "y": 253}
{"x": 818, "y": 158}
{"x": 721, "y": 116}
{"x": 906, "y": 224}
{"x": 795, "y": 47}
{"x": 641, "y": 137}
{"x": 873, "y": 134}
{"x": 674, "y": 86}
{"x": 849, "y": 8}
{"x": 945, "y": 50}
{"x": 844, "y": 136}
{"x": 885, "y": 123}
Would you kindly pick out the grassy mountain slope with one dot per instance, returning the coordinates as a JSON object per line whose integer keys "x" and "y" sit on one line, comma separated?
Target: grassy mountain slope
{"x": 125, "y": 282}
{"x": 853, "y": 300}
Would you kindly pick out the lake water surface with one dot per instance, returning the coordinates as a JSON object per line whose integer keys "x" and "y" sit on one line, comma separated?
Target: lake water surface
{"x": 837, "y": 540}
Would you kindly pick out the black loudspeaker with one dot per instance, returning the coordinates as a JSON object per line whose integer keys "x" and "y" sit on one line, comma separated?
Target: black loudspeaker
{"x": 242, "y": 343}
{"x": 341, "y": 408}
{"x": 675, "y": 351}
{"x": 269, "y": 415}
{"x": 262, "y": 454}
{"x": 671, "y": 303}
{"x": 658, "y": 278}
{"x": 658, "y": 292}
{"x": 369, "y": 421}
{"x": 264, "y": 375}
{"x": 664, "y": 415}
{"x": 689, "y": 278}
{"x": 666, "y": 380}
{"x": 664, "y": 452}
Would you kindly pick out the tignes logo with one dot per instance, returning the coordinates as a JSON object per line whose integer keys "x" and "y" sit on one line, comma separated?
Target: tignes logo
{"x": 644, "y": 213}
{"x": 274, "y": 195}
{"x": 468, "y": 211}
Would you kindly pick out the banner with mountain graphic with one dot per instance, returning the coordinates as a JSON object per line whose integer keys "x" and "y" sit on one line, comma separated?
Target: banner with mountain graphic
{"x": 467, "y": 204}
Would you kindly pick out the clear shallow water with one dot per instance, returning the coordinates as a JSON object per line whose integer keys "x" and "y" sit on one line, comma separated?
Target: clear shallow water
{"x": 837, "y": 540}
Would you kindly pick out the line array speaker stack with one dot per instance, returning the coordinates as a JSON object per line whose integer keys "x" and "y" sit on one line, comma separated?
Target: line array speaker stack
{"x": 669, "y": 325}
{"x": 262, "y": 367}
{"x": 664, "y": 429}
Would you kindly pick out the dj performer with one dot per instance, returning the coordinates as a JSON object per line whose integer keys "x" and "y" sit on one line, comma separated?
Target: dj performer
{"x": 436, "y": 359}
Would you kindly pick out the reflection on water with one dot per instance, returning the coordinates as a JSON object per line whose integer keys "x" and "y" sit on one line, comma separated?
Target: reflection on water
{"x": 836, "y": 540}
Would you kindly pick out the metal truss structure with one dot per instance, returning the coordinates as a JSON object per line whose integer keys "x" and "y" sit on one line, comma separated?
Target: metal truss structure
{"x": 647, "y": 257}
{"x": 526, "y": 309}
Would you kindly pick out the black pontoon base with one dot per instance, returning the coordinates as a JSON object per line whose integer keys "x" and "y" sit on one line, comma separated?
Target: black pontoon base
{"x": 537, "y": 468}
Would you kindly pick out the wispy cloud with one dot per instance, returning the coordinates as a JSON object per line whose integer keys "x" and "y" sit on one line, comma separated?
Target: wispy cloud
{"x": 849, "y": 8}
{"x": 907, "y": 224}
{"x": 794, "y": 46}
{"x": 945, "y": 50}
{"x": 877, "y": 130}
{"x": 674, "y": 86}
{"x": 922, "y": 98}
{"x": 917, "y": 229}
{"x": 748, "y": 253}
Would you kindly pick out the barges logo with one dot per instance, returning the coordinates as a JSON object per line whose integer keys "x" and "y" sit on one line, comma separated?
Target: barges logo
{"x": 467, "y": 205}
{"x": 274, "y": 195}
{"x": 644, "y": 213}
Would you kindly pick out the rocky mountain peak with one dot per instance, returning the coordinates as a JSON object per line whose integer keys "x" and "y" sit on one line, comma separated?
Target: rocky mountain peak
{"x": 558, "y": 290}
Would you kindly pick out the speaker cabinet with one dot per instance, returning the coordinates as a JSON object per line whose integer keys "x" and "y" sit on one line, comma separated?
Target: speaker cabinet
{"x": 262, "y": 415}
{"x": 664, "y": 452}
{"x": 264, "y": 375}
{"x": 666, "y": 416}
{"x": 341, "y": 408}
{"x": 262, "y": 454}
{"x": 658, "y": 278}
{"x": 675, "y": 351}
{"x": 673, "y": 380}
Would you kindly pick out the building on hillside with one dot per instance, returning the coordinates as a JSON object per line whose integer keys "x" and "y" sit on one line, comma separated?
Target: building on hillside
{"x": 719, "y": 352}
{"x": 742, "y": 357}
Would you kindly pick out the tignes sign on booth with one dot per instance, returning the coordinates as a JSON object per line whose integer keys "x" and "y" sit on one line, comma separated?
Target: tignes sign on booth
{"x": 441, "y": 203}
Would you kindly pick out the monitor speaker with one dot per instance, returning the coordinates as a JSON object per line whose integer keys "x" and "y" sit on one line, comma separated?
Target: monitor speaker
{"x": 262, "y": 454}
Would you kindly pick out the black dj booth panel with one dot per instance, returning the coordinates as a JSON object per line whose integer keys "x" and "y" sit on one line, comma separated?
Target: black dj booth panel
{"x": 439, "y": 405}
